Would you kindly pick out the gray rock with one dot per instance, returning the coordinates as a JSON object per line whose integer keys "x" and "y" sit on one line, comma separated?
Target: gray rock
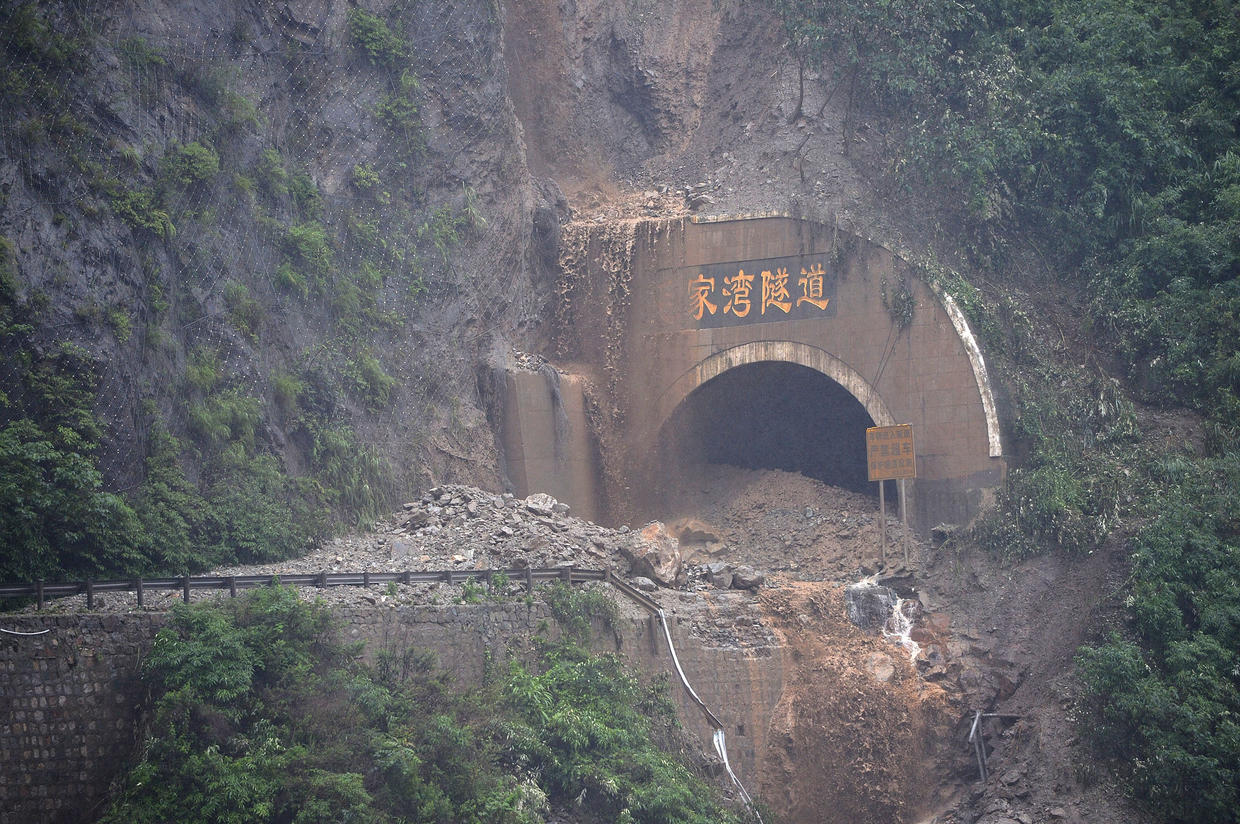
{"x": 401, "y": 550}
{"x": 869, "y": 605}
{"x": 746, "y": 577}
{"x": 719, "y": 575}
{"x": 417, "y": 519}
{"x": 643, "y": 583}
{"x": 540, "y": 503}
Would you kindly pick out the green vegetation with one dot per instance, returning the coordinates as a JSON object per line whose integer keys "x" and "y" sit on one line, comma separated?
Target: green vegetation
{"x": 1108, "y": 131}
{"x": 190, "y": 165}
{"x": 261, "y": 714}
{"x": 374, "y": 37}
{"x": 388, "y": 49}
{"x": 140, "y": 209}
{"x": 139, "y": 53}
{"x": 354, "y": 271}
{"x": 1168, "y": 702}
{"x": 398, "y": 110}
{"x": 365, "y": 177}
{"x": 1109, "y": 128}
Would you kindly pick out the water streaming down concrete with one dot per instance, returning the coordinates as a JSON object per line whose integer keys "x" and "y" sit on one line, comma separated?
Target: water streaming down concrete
{"x": 547, "y": 440}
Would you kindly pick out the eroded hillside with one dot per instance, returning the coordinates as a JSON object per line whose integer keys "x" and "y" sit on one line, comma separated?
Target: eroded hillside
{"x": 261, "y": 262}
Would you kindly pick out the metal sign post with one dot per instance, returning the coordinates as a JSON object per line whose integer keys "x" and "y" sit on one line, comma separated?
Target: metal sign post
{"x": 882, "y": 524}
{"x": 890, "y": 455}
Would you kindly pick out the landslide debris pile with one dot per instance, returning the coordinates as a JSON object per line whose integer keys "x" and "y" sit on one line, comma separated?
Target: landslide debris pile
{"x": 784, "y": 522}
{"x": 464, "y": 528}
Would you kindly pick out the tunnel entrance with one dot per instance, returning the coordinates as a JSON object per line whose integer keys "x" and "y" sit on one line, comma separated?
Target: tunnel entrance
{"x": 771, "y": 415}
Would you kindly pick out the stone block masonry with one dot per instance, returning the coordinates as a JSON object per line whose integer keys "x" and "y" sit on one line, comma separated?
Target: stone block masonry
{"x": 70, "y": 704}
{"x": 71, "y": 700}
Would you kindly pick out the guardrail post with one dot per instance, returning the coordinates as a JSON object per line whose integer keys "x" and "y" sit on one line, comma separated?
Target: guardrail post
{"x": 567, "y": 575}
{"x": 404, "y": 577}
{"x": 137, "y": 585}
{"x": 529, "y": 580}
{"x": 185, "y": 588}
{"x": 447, "y": 577}
{"x": 232, "y": 585}
{"x": 38, "y": 595}
{"x": 90, "y": 594}
{"x": 322, "y": 583}
{"x": 365, "y": 579}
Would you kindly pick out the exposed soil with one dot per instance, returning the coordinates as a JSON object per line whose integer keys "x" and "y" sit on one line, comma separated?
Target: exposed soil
{"x": 856, "y": 734}
{"x": 997, "y": 636}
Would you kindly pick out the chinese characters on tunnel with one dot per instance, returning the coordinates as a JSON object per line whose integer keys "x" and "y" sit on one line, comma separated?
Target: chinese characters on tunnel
{"x": 724, "y": 294}
{"x": 889, "y": 452}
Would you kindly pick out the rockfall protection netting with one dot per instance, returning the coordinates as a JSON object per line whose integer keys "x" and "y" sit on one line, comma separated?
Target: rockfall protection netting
{"x": 214, "y": 198}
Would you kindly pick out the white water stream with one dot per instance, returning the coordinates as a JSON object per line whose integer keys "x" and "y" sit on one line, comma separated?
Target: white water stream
{"x": 900, "y": 624}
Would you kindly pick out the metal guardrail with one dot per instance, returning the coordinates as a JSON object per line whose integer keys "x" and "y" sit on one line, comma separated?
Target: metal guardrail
{"x": 41, "y": 590}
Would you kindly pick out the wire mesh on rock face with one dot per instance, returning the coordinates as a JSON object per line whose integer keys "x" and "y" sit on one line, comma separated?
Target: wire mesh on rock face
{"x": 240, "y": 213}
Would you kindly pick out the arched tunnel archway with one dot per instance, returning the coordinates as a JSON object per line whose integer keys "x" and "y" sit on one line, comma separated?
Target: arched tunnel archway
{"x": 653, "y": 310}
{"x": 770, "y": 415}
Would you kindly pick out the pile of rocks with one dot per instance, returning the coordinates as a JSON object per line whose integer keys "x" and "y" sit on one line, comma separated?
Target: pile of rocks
{"x": 464, "y": 528}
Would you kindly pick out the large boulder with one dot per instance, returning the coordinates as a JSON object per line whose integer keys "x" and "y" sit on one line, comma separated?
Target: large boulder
{"x": 870, "y": 605}
{"x": 719, "y": 574}
{"x": 540, "y": 503}
{"x": 653, "y": 553}
{"x": 746, "y": 577}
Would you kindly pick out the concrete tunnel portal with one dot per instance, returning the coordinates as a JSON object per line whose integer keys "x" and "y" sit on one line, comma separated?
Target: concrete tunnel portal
{"x": 770, "y": 415}
{"x": 768, "y": 342}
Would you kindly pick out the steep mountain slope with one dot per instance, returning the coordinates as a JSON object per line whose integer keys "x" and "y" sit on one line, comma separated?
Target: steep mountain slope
{"x": 258, "y": 261}
{"x": 286, "y": 234}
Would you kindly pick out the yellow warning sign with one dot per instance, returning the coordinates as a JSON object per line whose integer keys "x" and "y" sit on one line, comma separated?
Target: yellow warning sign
{"x": 889, "y": 452}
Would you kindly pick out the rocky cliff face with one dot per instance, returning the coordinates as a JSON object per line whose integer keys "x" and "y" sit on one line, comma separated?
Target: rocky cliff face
{"x": 286, "y": 229}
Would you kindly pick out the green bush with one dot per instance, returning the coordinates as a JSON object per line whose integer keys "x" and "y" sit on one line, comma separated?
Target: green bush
{"x": 56, "y": 520}
{"x": 244, "y": 311}
{"x": 191, "y": 164}
{"x": 271, "y": 174}
{"x": 260, "y": 714}
{"x": 1167, "y": 709}
{"x": 371, "y": 35}
{"x": 255, "y": 512}
{"x": 142, "y": 209}
{"x": 399, "y": 111}
{"x": 371, "y": 381}
{"x": 365, "y": 177}
{"x": 310, "y": 247}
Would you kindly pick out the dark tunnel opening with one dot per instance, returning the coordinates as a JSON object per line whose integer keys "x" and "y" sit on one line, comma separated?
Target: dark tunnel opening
{"x": 772, "y": 415}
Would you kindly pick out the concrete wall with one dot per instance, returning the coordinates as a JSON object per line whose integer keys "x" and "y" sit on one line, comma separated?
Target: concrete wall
{"x": 547, "y": 441}
{"x": 928, "y": 373}
{"x": 71, "y": 699}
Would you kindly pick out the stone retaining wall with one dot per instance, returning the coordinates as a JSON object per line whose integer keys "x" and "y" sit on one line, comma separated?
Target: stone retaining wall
{"x": 71, "y": 699}
{"x": 70, "y": 702}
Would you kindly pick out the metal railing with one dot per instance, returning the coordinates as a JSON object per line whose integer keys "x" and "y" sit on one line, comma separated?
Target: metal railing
{"x": 41, "y": 590}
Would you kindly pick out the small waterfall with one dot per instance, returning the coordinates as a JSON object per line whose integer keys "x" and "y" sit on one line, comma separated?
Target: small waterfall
{"x": 562, "y": 429}
{"x": 900, "y": 625}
